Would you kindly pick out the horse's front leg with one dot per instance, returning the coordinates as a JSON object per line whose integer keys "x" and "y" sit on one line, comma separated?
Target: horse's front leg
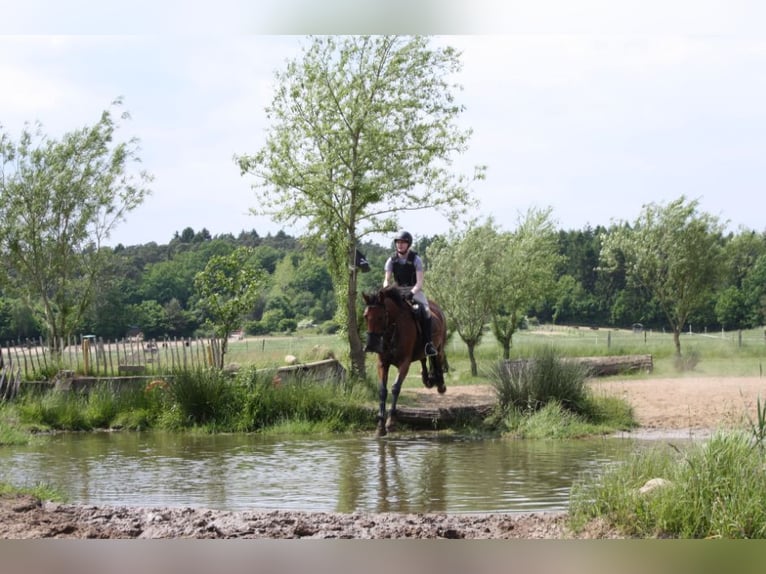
{"x": 395, "y": 389}
{"x": 382, "y": 395}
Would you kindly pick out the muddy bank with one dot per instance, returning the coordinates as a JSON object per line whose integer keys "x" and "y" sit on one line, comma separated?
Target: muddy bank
{"x": 25, "y": 517}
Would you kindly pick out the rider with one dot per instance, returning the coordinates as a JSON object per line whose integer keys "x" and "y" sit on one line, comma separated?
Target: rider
{"x": 405, "y": 268}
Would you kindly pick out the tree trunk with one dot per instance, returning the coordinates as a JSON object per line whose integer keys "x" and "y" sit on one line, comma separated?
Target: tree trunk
{"x": 677, "y": 340}
{"x": 472, "y": 357}
{"x": 506, "y": 348}
{"x": 356, "y": 349}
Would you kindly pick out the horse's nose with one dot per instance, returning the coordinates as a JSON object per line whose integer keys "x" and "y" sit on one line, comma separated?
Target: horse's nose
{"x": 374, "y": 343}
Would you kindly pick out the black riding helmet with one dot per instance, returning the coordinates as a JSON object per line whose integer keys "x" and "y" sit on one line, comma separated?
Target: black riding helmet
{"x": 403, "y": 235}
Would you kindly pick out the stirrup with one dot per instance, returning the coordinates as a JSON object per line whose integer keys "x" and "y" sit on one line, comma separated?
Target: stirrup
{"x": 431, "y": 350}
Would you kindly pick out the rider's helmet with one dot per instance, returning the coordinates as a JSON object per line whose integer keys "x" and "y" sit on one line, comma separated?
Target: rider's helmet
{"x": 403, "y": 235}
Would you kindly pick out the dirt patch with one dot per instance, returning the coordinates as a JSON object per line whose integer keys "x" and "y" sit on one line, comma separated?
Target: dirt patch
{"x": 693, "y": 405}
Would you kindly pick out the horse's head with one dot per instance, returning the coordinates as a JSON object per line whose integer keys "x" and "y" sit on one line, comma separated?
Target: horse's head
{"x": 376, "y": 317}
{"x": 381, "y": 313}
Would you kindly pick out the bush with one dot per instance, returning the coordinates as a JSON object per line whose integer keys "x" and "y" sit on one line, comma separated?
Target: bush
{"x": 543, "y": 379}
{"x": 201, "y": 396}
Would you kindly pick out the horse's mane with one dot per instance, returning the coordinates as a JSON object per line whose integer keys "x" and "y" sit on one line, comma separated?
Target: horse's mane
{"x": 391, "y": 292}
{"x": 394, "y": 293}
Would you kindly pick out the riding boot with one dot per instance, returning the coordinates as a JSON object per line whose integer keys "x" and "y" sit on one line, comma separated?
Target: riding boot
{"x": 427, "y": 336}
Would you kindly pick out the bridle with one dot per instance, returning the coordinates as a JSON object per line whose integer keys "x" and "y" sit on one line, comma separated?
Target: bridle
{"x": 380, "y": 341}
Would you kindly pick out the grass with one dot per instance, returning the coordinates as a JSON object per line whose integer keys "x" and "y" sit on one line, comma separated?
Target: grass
{"x": 713, "y": 489}
{"x": 729, "y": 353}
{"x": 41, "y": 491}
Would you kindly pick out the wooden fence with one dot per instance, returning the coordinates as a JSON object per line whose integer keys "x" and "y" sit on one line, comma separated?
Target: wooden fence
{"x": 93, "y": 356}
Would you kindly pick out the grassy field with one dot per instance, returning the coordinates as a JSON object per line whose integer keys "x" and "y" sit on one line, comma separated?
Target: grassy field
{"x": 715, "y": 354}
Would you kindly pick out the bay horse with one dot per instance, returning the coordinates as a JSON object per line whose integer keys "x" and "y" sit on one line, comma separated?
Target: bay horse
{"x": 393, "y": 332}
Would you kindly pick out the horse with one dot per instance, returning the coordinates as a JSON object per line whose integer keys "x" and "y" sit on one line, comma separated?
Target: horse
{"x": 393, "y": 332}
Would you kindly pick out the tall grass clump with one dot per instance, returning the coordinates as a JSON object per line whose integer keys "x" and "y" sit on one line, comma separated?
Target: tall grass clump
{"x": 543, "y": 379}
{"x": 199, "y": 396}
{"x": 712, "y": 489}
{"x": 302, "y": 405}
{"x": 100, "y": 408}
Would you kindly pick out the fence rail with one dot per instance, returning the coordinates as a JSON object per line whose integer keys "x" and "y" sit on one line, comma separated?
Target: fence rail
{"x": 87, "y": 355}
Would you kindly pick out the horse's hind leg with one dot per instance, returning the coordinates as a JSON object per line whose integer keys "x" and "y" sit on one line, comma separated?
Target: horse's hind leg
{"x": 424, "y": 375}
{"x": 436, "y": 375}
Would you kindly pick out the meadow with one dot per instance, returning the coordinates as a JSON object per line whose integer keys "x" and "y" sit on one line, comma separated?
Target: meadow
{"x": 733, "y": 353}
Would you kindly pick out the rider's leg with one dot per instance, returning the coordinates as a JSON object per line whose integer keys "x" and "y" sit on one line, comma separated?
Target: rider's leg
{"x": 428, "y": 335}
{"x": 425, "y": 323}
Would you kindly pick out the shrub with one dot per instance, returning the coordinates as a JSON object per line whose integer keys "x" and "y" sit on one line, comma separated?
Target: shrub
{"x": 200, "y": 396}
{"x": 543, "y": 379}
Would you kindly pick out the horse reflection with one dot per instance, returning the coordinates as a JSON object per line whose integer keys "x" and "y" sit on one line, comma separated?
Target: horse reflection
{"x": 393, "y": 333}
{"x": 412, "y": 477}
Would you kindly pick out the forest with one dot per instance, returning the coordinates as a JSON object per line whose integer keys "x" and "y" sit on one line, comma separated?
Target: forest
{"x": 150, "y": 288}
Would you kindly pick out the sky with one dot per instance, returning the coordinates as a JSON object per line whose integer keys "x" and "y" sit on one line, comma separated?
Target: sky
{"x": 592, "y": 109}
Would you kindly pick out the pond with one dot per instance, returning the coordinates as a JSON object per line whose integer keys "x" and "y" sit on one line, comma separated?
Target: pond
{"x": 405, "y": 473}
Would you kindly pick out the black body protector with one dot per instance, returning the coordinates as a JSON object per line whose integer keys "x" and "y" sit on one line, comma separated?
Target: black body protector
{"x": 405, "y": 275}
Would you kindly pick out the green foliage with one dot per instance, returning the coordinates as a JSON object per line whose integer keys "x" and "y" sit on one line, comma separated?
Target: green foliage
{"x": 522, "y": 274}
{"x": 41, "y": 491}
{"x": 357, "y": 123}
{"x": 758, "y": 425}
{"x": 714, "y": 489}
{"x": 9, "y": 434}
{"x": 227, "y": 290}
{"x": 673, "y": 253}
{"x": 202, "y": 396}
{"x": 545, "y": 378}
{"x": 462, "y": 267}
{"x": 336, "y": 407}
{"x": 61, "y": 199}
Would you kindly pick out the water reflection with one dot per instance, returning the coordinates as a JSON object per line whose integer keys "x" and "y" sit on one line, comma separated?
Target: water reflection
{"x": 407, "y": 473}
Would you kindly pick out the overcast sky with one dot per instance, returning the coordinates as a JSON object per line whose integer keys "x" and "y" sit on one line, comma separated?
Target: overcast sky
{"x": 592, "y": 113}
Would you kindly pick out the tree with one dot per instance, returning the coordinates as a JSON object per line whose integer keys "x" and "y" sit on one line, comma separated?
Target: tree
{"x": 227, "y": 289}
{"x": 60, "y": 200}
{"x": 460, "y": 278}
{"x": 674, "y": 253}
{"x": 362, "y": 128}
{"x": 524, "y": 274}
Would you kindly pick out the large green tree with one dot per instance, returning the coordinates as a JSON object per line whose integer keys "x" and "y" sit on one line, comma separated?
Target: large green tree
{"x": 362, "y": 128}
{"x": 60, "y": 199}
{"x": 674, "y": 253}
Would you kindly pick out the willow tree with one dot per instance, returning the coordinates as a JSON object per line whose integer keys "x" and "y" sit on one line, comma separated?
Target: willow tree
{"x": 673, "y": 252}
{"x": 60, "y": 198}
{"x": 525, "y": 273}
{"x": 361, "y": 129}
{"x": 461, "y": 277}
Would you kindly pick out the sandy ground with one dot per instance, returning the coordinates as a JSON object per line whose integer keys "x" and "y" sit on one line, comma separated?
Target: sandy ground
{"x": 696, "y": 406}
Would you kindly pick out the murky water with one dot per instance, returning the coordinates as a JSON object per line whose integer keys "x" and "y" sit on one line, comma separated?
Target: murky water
{"x": 406, "y": 473}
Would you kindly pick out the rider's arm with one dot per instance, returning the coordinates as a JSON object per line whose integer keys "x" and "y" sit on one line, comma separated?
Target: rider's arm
{"x": 388, "y": 279}
{"x": 418, "y": 287}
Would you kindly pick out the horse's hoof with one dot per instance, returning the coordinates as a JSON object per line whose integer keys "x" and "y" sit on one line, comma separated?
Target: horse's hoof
{"x": 381, "y": 430}
{"x": 428, "y": 383}
{"x": 442, "y": 389}
{"x": 390, "y": 425}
